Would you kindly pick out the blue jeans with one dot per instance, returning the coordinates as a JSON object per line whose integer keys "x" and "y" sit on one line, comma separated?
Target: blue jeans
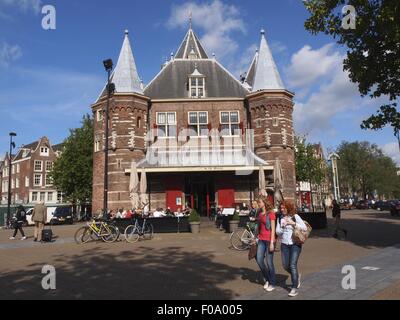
{"x": 267, "y": 270}
{"x": 290, "y": 258}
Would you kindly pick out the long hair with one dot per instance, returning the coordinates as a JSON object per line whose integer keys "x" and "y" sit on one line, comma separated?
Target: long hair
{"x": 290, "y": 207}
{"x": 268, "y": 206}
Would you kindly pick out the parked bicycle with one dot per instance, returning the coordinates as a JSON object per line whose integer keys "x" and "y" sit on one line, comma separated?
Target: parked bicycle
{"x": 97, "y": 230}
{"x": 135, "y": 232}
{"x": 242, "y": 238}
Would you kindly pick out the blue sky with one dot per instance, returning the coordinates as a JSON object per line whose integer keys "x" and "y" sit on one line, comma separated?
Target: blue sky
{"x": 48, "y": 79}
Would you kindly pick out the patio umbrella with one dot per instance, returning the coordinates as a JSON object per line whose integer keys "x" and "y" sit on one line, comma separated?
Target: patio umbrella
{"x": 134, "y": 187}
{"x": 278, "y": 182}
{"x": 261, "y": 182}
{"x": 143, "y": 189}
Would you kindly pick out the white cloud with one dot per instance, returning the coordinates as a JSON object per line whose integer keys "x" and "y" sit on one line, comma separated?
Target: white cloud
{"x": 9, "y": 53}
{"x": 335, "y": 95}
{"x": 308, "y": 65}
{"x": 392, "y": 150}
{"x": 23, "y": 5}
{"x": 242, "y": 64}
{"x": 217, "y": 19}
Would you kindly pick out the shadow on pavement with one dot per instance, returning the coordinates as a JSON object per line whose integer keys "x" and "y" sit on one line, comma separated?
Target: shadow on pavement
{"x": 370, "y": 230}
{"x": 142, "y": 273}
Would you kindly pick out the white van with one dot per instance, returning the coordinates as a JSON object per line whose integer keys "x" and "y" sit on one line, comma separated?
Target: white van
{"x": 50, "y": 213}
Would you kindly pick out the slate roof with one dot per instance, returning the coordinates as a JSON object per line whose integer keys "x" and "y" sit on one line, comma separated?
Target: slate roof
{"x": 191, "y": 42}
{"x": 172, "y": 81}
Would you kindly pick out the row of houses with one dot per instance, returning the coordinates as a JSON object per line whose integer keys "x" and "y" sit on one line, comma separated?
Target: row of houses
{"x": 30, "y": 174}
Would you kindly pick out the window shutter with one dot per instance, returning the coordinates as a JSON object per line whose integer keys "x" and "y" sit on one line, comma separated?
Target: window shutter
{"x": 241, "y": 126}
{"x": 209, "y": 127}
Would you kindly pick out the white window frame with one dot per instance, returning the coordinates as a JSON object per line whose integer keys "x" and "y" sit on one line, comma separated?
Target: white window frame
{"x": 197, "y": 87}
{"x": 50, "y": 199}
{"x": 27, "y": 182}
{"x": 97, "y": 143}
{"x": 167, "y": 125}
{"x": 18, "y": 168}
{"x": 52, "y": 164}
{"x": 12, "y": 184}
{"x": 13, "y": 169}
{"x": 34, "y": 199}
{"x": 44, "y": 151}
{"x": 42, "y": 196}
{"x": 16, "y": 183}
{"x": 198, "y": 124}
{"x": 34, "y": 180}
{"x": 230, "y": 123}
{"x": 41, "y": 166}
{"x": 99, "y": 115}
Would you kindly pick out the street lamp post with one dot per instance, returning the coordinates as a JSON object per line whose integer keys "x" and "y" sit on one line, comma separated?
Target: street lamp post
{"x": 108, "y": 65}
{"x": 12, "y": 146}
{"x": 334, "y": 157}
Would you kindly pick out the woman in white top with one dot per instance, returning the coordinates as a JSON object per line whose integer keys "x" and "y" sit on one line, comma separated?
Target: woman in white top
{"x": 290, "y": 251}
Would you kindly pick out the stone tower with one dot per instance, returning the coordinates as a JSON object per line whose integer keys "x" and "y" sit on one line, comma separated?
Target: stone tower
{"x": 271, "y": 115}
{"x": 128, "y": 127}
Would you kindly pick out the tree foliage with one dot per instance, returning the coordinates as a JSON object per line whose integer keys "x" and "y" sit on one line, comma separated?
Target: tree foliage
{"x": 73, "y": 171}
{"x": 373, "y": 55}
{"x": 365, "y": 170}
{"x": 309, "y": 168}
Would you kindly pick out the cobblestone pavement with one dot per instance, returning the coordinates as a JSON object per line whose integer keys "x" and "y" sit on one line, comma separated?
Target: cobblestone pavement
{"x": 187, "y": 266}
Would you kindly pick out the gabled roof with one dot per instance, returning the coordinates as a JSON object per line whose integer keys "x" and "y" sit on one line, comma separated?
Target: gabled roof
{"x": 58, "y": 147}
{"x": 266, "y": 75}
{"x": 125, "y": 75}
{"x": 172, "y": 81}
{"x": 191, "y": 44}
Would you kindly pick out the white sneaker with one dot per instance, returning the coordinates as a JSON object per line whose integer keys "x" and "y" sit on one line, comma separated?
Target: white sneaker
{"x": 270, "y": 288}
{"x": 298, "y": 287}
{"x": 12, "y": 238}
{"x": 293, "y": 293}
{"x": 266, "y": 285}
{"x": 23, "y": 238}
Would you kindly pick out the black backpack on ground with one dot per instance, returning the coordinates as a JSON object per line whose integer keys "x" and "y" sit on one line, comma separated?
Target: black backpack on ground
{"x": 47, "y": 235}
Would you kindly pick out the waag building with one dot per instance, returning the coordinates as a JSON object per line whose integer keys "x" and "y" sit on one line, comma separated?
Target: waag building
{"x": 200, "y": 134}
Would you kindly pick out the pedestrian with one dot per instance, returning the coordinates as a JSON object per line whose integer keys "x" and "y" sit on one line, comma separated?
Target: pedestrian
{"x": 290, "y": 251}
{"x": 39, "y": 217}
{"x": 337, "y": 215}
{"x": 266, "y": 242}
{"x": 19, "y": 220}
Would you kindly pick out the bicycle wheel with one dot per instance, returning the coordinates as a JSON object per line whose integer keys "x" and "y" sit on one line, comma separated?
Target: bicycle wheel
{"x": 241, "y": 239}
{"x": 132, "y": 234}
{"x": 112, "y": 236}
{"x": 82, "y": 235}
{"x": 148, "y": 231}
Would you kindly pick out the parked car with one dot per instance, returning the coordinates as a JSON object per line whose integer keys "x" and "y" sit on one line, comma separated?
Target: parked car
{"x": 63, "y": 215}
{"x": 363, "y": 205}
{"x": 395, "y": 208}
{"x": 346, "y": 205}
{"x": 50, "y": 212}
{"x": 382, "y": 206}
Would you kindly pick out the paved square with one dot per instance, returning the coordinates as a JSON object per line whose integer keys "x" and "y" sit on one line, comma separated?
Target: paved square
{"x": 186, "y": 266}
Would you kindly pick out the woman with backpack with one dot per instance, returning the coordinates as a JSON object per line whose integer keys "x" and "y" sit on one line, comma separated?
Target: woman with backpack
{"x": 19, "y": 219}
{"x": 290, "y": 250}
{"x": 266, "y": 242}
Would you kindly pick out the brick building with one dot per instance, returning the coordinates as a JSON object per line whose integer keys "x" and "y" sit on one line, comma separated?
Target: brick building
{"x": 200, "y": 134}
{"x": 30, "y": 179}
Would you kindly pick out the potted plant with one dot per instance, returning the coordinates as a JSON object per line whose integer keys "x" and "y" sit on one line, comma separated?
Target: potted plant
{"x": 234, "y": 223}
{"x": 194, "y": 221}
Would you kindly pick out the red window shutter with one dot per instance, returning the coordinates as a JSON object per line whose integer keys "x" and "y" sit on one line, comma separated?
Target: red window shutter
{"x": 155, "y": 126}
{"x": 220, "y": 128}
{"x": 241, "y": 126}
{"x": 209, "y": 127}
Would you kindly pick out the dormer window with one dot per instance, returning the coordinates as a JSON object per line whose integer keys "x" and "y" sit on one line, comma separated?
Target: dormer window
{"x": 192, "y": 55}
{"x": 44, "y": 151}
{"x": 197, "y": 85}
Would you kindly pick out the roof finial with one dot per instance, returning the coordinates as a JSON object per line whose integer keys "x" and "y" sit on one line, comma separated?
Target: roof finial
{"x": 263, "y": 31}
{"x": 126, "y": 31}
{"x": 190, "y": 19}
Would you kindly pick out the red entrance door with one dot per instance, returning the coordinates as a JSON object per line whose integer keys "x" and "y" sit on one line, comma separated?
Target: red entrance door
{"x": 174, "y": 190}
{"x": 226, "y": 193}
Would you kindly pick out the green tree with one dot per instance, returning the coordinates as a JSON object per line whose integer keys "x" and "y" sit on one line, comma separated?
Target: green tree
{"x": 364, "y": 169}
{"x": 73, "y": 171}
{"x": 373, "y": 55}
{"x": 309, "y": 168}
